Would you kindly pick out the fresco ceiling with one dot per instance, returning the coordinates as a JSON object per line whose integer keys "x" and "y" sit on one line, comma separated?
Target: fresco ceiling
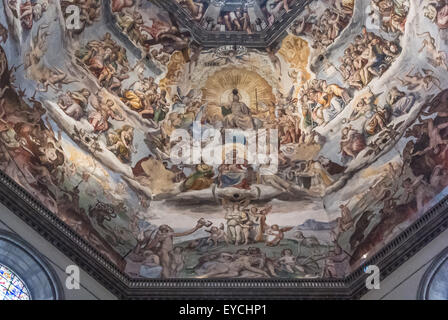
{"x": 176, "y": 159}
{"x": 214, "y": 23}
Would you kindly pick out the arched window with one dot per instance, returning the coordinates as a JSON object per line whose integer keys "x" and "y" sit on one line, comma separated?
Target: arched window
{"x": 24, "y": 273}
{"x": 11, "y": 286}
{"x": 434, "y": 284}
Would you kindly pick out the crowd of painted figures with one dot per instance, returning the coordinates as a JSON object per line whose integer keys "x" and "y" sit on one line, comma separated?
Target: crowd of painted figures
{"x": 324, "y": 28}
{"x": 29, "y": 12}
{"x": 367, "y": 57}
{"x": 238, "y": 18}
{"x": 158, "y": 256}
{"x": 32, "y": 153}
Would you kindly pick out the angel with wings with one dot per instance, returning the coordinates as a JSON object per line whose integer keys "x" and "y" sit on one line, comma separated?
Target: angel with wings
{"x": 275, "y": 235}
{"x": 436, "y": 57}
{"x": 260, "y": 215}
{"x": 232, "y": 55}
{"x": 285, "y": 104}
{"x": 181, "y": 101}
{"x": 426, "y": 80}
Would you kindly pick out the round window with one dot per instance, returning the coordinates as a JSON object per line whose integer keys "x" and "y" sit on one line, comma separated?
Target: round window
{"x": 434, "y": 284}
{"x": 11, "y": 286}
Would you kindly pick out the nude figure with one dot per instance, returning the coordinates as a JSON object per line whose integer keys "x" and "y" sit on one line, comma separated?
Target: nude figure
{"x": 274, "y": 60}
{"x": 420, "y": 189}
{"x": 55, "y": 79}
{"x": 436, "y": 57}
{"x": 118, "y": 5}
{"x": 420, "y": 81}
{"x": 177, "y": 260}
{"x": 216, "y": 235}
{"x": 163, "y": 242}
{"x": 288, "y": 262}
{"x": 439, "y": 177}
{"x": 435, "y": 138}
{"x": 240, "y": 263}
{"x": 3, "y": 33}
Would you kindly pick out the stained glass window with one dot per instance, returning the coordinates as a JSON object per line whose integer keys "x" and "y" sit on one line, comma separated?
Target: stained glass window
{"x": 11, "y": 286}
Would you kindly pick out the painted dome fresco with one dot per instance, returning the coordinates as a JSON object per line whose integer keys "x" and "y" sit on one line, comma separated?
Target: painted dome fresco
{"x": 205, "y": 139}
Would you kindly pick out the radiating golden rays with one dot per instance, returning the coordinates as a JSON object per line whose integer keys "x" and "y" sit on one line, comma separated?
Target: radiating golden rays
{"x": 254, "y": 90}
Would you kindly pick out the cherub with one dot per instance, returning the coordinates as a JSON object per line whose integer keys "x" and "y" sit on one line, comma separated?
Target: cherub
{"x": 230, "y": 56}
{"x": 275, "y": 234}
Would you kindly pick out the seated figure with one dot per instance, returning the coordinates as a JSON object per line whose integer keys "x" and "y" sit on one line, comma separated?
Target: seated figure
{"x": 240, "y": 116}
